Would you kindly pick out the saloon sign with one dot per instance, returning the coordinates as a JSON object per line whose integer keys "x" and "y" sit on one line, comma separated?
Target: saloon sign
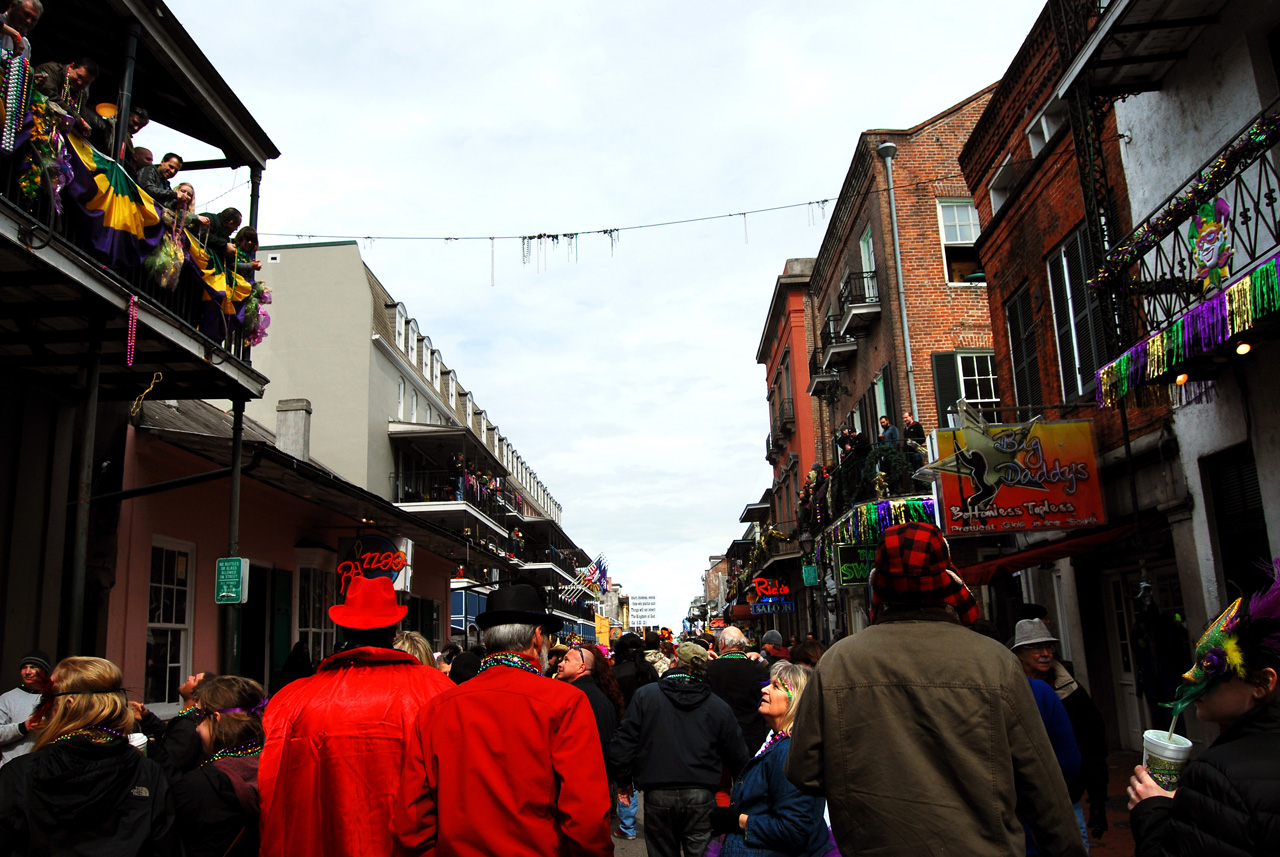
{"x": 770, "y": 597}
{"x": 1017, "y": 478}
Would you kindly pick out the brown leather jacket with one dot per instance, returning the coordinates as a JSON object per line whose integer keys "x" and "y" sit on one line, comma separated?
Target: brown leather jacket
{"x": 925, "y": 739}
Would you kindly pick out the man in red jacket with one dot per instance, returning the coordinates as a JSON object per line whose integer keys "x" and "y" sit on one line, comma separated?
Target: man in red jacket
{"x": 329, "y": 774}
{"x": 510, "y": 762}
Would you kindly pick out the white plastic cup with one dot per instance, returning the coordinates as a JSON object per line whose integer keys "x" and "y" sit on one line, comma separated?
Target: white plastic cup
{"x": 139, "y": 742}
{"x": 1164, "y": 757}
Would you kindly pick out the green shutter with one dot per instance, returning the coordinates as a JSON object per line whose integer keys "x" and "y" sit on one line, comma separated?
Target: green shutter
{"x": 946, "y": 385}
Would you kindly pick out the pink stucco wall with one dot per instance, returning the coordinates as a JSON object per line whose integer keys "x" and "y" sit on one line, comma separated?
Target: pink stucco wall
{"x": 272, "y": 522}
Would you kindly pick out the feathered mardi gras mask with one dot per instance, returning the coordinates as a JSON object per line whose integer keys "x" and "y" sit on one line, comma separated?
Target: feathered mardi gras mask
{"x": 1218, "y": 654}
{"x": 1252, "y": 630}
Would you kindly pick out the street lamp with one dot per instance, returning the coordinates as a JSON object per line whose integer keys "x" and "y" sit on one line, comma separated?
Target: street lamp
{"x": 806, "y": 543}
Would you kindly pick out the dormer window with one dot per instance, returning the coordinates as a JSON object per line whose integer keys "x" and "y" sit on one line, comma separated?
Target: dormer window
{"x": 412, "y": 343}
{"x": 401, "y": 318}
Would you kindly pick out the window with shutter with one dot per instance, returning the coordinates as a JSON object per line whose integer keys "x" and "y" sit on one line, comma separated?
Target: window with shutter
{"x": 1022, "y": 348}
{"x": 1244, "y": 549}
{"x": 1077, "y": 317}
{"x": 946, "y": 385}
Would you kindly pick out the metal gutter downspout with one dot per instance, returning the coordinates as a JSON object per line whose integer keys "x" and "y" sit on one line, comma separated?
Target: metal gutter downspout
{"x": 886, "y": 151}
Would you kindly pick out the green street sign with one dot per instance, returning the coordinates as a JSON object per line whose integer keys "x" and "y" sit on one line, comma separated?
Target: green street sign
{"x": 232, "y": 581}
{"x": 854, "y": 563}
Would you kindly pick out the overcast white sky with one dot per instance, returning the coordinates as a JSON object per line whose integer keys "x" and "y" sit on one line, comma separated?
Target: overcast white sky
{"x": 626, "y": 376}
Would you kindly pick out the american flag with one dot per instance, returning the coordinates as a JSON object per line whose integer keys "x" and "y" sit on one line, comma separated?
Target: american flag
{"x": 592, "y": 571}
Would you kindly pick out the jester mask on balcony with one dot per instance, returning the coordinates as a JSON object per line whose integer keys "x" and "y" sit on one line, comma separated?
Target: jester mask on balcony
{"x": 1208, "y": 237}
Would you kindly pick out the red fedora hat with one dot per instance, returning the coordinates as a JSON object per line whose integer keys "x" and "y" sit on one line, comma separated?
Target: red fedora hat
{"x": 371, "y": 603}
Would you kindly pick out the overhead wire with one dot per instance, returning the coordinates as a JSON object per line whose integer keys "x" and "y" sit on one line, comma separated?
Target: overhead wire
{"x": 613, "y": 232}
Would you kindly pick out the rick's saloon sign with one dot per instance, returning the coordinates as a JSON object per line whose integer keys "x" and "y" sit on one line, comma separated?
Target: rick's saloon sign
{"x": 1017, "y": 478}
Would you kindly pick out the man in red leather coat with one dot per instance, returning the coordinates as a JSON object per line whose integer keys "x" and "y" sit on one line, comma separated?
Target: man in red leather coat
{"x": 508, "y": 763}
{"x": 329, "y": 774}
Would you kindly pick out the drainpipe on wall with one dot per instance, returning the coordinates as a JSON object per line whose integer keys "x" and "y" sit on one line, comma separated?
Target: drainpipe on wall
{"x": 887, "y": 151}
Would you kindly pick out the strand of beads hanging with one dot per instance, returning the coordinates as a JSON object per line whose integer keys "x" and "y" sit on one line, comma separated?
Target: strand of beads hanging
{"x": 251, "y": 749}
{"x": 507, "y": 659}
{"x": 100, "y": 734}
{"x": 728, "y": 655}
{"x": 777, "y": 736}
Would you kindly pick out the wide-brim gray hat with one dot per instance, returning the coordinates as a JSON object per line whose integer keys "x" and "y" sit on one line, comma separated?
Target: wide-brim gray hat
{"x": 1028, "y": 632}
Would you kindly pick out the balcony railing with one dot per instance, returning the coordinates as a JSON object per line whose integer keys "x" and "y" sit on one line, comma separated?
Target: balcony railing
{"x": 184, "y": 302}
{"x": 584, "y": 612}
{"x": 852, "y": 481}
{"x": 449, "y": 486}
{"x": 837, "y": 347}
{"x": 859, "y": 301}
{"x": 786, "y": 414}
{"x": 770, "y": 451}
{"x": 552, "y": 556}
{"x": 819, "y": 376}
{"x": 1224, "y": 218}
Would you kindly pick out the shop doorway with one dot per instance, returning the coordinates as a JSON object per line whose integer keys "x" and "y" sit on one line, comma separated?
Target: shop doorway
{"x": 1148, "y": 646}
{"x": 266, "y": 625}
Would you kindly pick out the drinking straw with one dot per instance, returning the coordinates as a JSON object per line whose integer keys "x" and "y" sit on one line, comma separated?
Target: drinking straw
{"x": 1172, "y": 725}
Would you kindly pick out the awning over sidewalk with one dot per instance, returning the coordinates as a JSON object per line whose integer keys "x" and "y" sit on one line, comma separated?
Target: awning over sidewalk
{"x": 984, "y": 572}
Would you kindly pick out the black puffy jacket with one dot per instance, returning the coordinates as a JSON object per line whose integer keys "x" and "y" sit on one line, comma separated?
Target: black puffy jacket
{"x": 1228, "y": 803}
{"x": 78, "y": 798}
{"x": 677, "y": 735}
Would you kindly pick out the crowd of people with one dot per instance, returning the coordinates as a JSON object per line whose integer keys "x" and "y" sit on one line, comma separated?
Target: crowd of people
{"x": 67, "y": 87}
{"x": 923, "y": 734}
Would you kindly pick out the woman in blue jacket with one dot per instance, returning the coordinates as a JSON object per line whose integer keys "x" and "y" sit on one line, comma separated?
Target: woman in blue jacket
{"x": 768, "y": 816}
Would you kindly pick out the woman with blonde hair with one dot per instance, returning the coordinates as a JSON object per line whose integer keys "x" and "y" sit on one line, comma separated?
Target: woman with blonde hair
{"x": 84, "y": 789}
{"x": 217, "y": 803}
{"x": 767, "y": 815}
{"x": 416, "y": 645}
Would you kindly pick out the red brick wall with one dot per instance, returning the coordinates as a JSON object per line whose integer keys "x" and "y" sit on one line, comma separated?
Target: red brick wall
{"x": 941, "y": 316}
{"x": 1046, "y": 206}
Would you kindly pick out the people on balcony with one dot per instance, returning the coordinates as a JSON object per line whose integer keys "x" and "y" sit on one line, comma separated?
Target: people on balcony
{"x": 216, "y": 237}
{"x": 66, "y": 85}
{"x": 142, "y": 157}
{"x": 181, "y": 209}
{"x": 246, "y": 245}
{"x": 889, "y": 434}
{"x": 15, "y": 23}
{"x": 843, "y": 442}
{"x": 913, "y": 434}
{"x": 154, "y": 179}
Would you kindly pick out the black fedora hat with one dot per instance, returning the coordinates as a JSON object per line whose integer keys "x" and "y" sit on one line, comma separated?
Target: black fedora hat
{"x": 519, "y": 604}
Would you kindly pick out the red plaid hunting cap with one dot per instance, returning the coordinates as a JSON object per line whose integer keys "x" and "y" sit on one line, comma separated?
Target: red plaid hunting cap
{"x": 913, "y": 567}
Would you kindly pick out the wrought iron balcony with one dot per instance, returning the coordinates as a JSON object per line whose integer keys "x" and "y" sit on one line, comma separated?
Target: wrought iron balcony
{"x": 1222, "y": 219}
{"x": 786, "y": 415}
{"x": 837, "y": 348}
{"x": 819, "y": 376}
{"x": 771, "y": 452}
{"x": 859, "y": 301}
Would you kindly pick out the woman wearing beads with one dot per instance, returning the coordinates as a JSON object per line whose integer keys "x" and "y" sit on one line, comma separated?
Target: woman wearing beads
{"x": 767, "y": 815}
{"x": 217, "y": 803}
{"x": 84, "y": 789}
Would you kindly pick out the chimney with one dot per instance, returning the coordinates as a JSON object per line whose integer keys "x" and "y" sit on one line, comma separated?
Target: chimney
{"x": 293, "y": 428}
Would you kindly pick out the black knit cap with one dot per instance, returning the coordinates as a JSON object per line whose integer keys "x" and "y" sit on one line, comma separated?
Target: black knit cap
{"x": 37, "y": 659}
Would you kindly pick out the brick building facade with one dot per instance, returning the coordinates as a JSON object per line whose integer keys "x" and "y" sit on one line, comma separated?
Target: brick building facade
{"x": 1187, "y": 515}
{"x": 860, "y": 366}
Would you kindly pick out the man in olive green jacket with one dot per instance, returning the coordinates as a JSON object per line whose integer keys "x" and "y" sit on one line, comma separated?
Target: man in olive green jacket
{"x": 923, "y": 735}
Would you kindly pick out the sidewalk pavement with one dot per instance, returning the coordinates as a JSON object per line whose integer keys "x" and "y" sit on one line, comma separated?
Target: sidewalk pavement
{"x": 1116, "y": 842}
